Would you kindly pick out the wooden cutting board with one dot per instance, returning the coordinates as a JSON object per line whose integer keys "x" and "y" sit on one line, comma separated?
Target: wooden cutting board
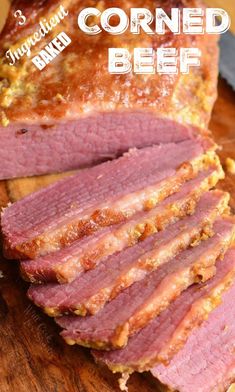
{"x": 32, "y": 355}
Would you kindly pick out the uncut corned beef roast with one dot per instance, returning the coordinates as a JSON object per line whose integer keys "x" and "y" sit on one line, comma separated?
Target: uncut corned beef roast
{"x": 74, "y": 113}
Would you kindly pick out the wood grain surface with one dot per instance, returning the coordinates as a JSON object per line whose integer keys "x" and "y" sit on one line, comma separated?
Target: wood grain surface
{"x": 32, "y": 355}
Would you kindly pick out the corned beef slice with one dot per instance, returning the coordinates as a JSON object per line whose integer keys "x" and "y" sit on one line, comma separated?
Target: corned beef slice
{"x": 165, "y": 335}
{"x": 75, "y": 113}
{"x": 207, "y": 361}
{"x": 66, "y": 264}
{"x": 137, "y": 305}
{"x": 38, "y": 149}
{"x": 89, "y": 292}
{"x": 56, "y": 216}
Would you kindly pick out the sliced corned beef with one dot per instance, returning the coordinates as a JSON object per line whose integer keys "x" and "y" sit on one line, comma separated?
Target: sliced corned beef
{"x": 165, "y": 335}
{"x": 91, "y": 290}
{"x": 56, "y": 216}
{"x": 207, "y": 361}
{"x": 84, "y": 254}
{"x": 137, "y": 305}
{"x": 76, "y": 144}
